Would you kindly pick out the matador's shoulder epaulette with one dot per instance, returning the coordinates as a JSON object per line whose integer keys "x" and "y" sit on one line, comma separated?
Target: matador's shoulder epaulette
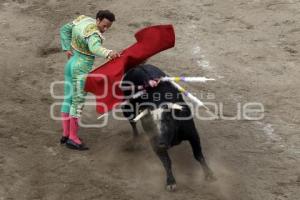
{"x": 79, "y": 19}
{"x": 92, "y": 29}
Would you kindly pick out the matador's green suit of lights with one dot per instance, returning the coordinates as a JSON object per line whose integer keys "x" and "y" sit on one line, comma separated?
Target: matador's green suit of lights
{"x": 85, "y": 40}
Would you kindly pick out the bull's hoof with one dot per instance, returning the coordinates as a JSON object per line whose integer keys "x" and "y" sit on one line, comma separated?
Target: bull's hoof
{"x": 171, "y": 187}
{"x": 171, "y": 183}
{"x": 210, "y": 177}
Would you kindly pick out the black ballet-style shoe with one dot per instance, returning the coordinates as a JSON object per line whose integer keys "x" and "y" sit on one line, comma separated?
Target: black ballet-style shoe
{"x": 73, "y": 145}
{"x": 63, "y": 139}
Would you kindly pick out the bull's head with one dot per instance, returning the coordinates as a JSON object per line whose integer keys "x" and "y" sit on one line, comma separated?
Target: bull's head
{"x": 159, "y": 123}
{"x": 156, "y": 113}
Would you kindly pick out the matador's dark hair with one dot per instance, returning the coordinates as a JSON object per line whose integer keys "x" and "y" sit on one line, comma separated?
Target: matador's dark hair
{"x": 105, "y": 14}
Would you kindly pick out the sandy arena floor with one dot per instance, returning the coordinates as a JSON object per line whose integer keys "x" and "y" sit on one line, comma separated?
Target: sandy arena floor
{"x": 251, "y": 47}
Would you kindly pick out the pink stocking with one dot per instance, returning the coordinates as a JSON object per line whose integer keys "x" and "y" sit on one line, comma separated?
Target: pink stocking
{"x": 65, "y": 124}
{"x": 74, "y": 129}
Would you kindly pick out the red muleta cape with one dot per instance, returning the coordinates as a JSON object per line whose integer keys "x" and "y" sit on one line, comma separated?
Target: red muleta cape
{"x": 104, "y": 80}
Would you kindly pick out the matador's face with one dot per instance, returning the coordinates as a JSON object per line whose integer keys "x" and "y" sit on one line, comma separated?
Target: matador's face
{"x": 103, "y": 25}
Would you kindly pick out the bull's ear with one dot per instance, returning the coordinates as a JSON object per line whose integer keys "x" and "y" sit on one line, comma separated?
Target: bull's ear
{"x": 175, "y": 106}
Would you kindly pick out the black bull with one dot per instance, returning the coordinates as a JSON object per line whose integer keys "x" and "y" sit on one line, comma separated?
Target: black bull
{"x": 165, "y": 126}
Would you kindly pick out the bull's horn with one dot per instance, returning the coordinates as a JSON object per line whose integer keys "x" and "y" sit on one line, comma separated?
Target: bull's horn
{"x": 139, "y": 116}
{"x": 101, "y": 116}
{"x": 175, "y": 106}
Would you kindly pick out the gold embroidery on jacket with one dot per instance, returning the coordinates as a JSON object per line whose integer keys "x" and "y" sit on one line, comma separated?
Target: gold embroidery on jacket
{"x": 90, "y": 30}
{"x": 78, "y": 19}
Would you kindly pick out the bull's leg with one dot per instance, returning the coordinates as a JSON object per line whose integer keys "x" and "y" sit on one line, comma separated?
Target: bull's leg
{"x": 197, "y": 151}
{"x": 135, "y": 143}
{"x": 134, "y": 129}
{"x": 129, "y": 112}
{"x": 163, "y": 155}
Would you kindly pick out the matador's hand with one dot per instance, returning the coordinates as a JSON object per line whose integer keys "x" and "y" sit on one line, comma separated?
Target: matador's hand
{"x": 113, "y": 55}
{"x": 69, "y": 54}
